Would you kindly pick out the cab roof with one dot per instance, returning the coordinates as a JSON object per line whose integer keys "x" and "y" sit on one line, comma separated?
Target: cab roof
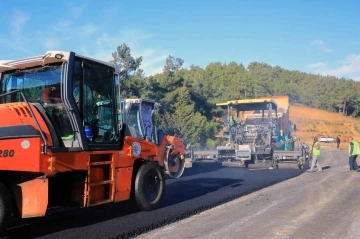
{"x": 137, "y": 100}
{"x": 249, "y": 104}
{"x": 47, "y": 58}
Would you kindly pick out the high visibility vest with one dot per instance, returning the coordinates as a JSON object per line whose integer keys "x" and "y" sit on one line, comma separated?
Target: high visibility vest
{"x": 316, "y": 152}
{"x": 231, "y": 120}
{"x": 356, "y": 149}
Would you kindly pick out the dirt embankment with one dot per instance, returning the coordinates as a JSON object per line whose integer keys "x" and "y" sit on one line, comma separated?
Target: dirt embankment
{"x": 312, "y": 122}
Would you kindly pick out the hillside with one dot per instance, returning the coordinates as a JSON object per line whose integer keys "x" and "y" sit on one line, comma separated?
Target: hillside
{"x": 188, "y": 96}
{"x": 312, "y": 122}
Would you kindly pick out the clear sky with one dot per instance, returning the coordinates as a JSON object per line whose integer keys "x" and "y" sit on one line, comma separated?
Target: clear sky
{"x": 307, "y": 35}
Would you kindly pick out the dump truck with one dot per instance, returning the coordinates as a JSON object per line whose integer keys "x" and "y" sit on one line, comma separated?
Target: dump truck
{"x": 61, "y": 148}
{"x": 256, "y": 130}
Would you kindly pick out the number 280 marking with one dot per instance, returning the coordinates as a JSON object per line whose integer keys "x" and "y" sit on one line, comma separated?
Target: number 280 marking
{"x": 7, "y": 153}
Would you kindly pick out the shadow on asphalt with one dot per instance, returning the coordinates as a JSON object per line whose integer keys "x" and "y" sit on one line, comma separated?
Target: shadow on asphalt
{"x": 71, "y": 219}
{"x": 199, "y": 168}
{"x": 185, "y": 190}
{"x": 176, "y": 192}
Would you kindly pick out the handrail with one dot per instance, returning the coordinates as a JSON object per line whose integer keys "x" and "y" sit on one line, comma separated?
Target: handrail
{"x": 44, "y": 148}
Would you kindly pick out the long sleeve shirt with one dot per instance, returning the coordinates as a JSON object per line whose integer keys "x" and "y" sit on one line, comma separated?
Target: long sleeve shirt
{"x": 351, "y": 148}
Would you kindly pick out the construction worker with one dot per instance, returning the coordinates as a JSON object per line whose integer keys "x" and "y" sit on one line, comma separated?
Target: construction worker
{"x": 338, "y": 141}
{"x": 281, "y": 138}
{"x": 315, "y": 155}
{"x": 232, "y": 121}
{"x": 354, "y": 150}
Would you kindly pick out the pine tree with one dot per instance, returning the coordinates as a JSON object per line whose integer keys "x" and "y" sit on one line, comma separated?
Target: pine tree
{"x": 181, "y": 121}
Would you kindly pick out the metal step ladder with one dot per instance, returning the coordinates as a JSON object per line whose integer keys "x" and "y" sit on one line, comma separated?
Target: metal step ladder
{"x": 100, "y": 179}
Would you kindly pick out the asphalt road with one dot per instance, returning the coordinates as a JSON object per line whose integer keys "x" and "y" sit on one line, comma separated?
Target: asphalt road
{"x": 313, "y": 205}
{"x": 202, "y": 187}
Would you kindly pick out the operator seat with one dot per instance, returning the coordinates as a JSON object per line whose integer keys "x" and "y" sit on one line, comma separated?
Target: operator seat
{"x": 51, "y": 97}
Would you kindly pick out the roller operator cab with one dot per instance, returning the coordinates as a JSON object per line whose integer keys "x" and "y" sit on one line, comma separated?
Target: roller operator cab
{"x": 63, "y": 141}
{"x": 140, "y": 121}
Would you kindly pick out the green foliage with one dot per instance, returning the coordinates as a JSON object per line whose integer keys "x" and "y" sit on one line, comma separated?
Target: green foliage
{"x": 132, "y": 76}
{"x": 188, "y": 96}
{"x": 192, "y": 126}
{"x": 122, "y": 56}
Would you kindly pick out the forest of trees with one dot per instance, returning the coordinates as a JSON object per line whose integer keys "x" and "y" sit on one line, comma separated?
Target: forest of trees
{"x": 188, "y": 96}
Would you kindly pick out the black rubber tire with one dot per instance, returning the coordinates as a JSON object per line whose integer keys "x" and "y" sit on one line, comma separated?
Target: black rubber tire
{"x": 274, "y": 163}
{"x": 149, "y": 169}
{"x": 300, "y": 162}
{"x": 6, "y": 208}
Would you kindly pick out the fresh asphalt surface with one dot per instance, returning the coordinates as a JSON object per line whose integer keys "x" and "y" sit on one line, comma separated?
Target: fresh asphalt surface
{"x": 202, "y": 187}
{"x": 320, "y": 205}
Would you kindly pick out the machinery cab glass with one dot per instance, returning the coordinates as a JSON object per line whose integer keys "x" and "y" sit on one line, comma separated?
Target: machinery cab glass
{"x": 78, "y": 97}
{"x": 139, "y": 116}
